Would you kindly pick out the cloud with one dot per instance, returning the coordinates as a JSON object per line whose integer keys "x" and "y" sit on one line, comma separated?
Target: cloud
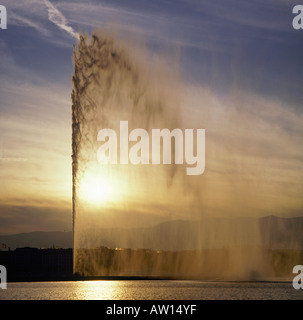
{"x": 55, "y": 16}
{"x": 20, "y": 218}
{"x": 34, "y": 143}
{"x": 12, "y": 159}
{"x": 21, "y": 21}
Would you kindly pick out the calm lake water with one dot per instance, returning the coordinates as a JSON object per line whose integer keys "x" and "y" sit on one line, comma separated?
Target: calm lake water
{"x": 150, "y": 290}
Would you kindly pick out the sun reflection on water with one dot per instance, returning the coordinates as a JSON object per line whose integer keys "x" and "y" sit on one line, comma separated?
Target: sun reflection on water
{"x": 99, "y": 290}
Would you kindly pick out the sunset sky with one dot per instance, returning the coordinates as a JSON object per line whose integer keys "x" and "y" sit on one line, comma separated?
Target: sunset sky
{"x": 240, "y": 65}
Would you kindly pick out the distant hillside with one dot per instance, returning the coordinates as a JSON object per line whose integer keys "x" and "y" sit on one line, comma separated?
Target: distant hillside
{"x": 282, "y": 233}
{"x": 271, "y": 232}
{"x": 38, "y": 239}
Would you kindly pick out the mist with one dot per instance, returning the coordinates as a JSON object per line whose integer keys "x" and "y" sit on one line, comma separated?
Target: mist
{"x": 117, "y": 80}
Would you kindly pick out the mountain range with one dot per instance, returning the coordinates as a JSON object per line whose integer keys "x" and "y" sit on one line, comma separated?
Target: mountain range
{"x": 270, "y": 232}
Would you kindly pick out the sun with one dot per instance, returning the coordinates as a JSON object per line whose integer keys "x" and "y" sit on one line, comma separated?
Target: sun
{"x": 95, "y": 189}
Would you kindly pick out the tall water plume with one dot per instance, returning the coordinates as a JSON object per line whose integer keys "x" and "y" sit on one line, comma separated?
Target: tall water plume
{"x": 148, "y": 220}
{"x": 109, "y": 86}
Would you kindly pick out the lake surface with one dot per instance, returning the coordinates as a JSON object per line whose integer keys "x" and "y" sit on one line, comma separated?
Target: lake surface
{"x": 150, "y": 290}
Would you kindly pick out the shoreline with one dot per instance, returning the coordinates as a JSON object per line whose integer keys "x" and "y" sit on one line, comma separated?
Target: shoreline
{"x": 137, "y": 278}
